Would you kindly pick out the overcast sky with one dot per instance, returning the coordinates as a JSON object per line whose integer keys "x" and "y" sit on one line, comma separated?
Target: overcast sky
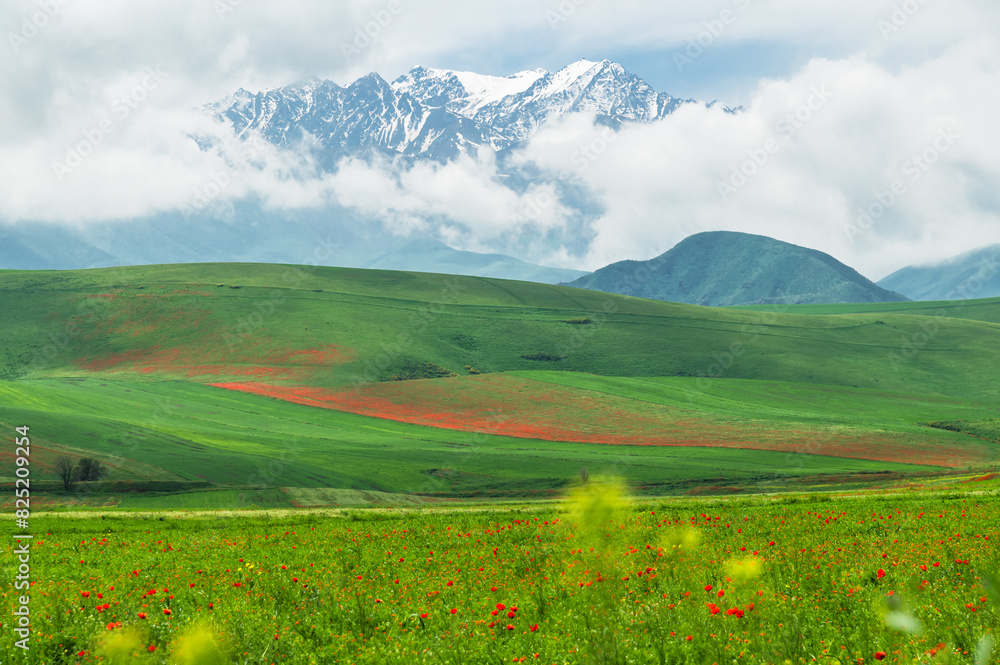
{"x": 841, "y": 97}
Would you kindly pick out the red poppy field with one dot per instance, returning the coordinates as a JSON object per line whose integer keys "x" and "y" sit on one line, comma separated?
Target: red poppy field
{"x": 897, "y": 579}
{"x": 523, "y": 408}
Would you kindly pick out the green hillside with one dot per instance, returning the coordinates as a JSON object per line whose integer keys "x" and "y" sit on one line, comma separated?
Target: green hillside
{"x": 149, "y": 323}
{"x": 980, "y": 309}
{"x": 721, "y": 268}
{"x": 118, "y": 363}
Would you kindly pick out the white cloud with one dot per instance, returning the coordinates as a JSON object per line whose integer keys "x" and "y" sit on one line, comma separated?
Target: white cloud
{"x": 892, "y": 91}
{"x": 660, "y": 182}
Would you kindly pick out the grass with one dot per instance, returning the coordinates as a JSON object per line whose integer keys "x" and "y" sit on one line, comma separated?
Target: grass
{"x": 185, "y": 431}
{"x": 116, "y": 363}
{"x": 983, "y": 309}
{"x": 180, "y": 325}
{"x": 205, "y": 544}
{"x": 842, "y": 579}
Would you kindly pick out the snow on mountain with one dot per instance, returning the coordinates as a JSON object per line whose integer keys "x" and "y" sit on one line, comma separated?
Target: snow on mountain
{"x": 440, "y": 113}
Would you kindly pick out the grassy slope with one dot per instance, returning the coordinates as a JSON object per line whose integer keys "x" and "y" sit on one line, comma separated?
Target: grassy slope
{"x": 984, "y": 309}
{"x": 209, "y": 433}
{"x": 60, "y": 326}
{"x": 672, "y": 411}
{"x": 489, "y": 324}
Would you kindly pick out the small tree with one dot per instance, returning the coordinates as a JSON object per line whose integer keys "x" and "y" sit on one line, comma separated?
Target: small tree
{"x": 90, "y": 469}
{"x": 66, "y": 472}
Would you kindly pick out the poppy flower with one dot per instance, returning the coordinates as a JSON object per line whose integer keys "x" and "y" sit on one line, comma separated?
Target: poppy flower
{"x": 879, "y": 655}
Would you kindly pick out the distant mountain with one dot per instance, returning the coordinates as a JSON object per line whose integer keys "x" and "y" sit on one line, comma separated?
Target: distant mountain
{"x": 426, "y": 114}
{"x": 975, "y": 274}
{"x": 303, "y": 238}
{"x": 722, "y": 268}
{"x": 44, "y": 246}
{"x": 441, "y": 113}
{"x": 432, "y": 256}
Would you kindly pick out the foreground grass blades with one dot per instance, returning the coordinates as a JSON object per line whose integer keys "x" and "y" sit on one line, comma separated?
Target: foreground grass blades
{"x": 597, "y": 579}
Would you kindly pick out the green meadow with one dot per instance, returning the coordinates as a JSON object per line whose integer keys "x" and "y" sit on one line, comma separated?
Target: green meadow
{"x": 116, "y": 364}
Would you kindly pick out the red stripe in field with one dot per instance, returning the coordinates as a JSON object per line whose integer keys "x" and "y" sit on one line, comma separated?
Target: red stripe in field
{"x": 514, "y": 407}
{"x": 191, "y": 363}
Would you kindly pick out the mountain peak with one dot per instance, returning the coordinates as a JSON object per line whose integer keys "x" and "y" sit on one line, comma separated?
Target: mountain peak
{"x": 720, "y": 268}
{"x": 442, "y": 113}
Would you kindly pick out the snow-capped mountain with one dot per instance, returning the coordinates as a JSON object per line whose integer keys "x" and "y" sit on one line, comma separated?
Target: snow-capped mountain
{"x": 440, "y": 113}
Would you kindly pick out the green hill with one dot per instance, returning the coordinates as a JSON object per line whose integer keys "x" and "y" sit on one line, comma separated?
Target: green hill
{"x": 722, "y": 268}
{"x": 170, "y": 374}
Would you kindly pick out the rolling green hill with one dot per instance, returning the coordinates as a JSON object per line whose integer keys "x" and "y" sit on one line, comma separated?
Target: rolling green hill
{"x": 720, "y": 268}
{"x": 132, "y": 365}
{"x": 189, "y": 322}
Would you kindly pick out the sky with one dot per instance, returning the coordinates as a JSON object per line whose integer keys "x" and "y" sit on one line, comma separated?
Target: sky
{"x": 869, "y": 132}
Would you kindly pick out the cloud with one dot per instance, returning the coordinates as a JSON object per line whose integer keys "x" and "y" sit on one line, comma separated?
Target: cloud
{"x": 895, "y": 80}
{"x": 840, "y": 134}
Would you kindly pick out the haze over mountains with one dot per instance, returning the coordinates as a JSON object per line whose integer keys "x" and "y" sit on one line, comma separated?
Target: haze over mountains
{"x": 974, "y": 274}
{"x": 726, "y": 268}
{"x": 431, "y": 115}
{"x": 438, "y": 116}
